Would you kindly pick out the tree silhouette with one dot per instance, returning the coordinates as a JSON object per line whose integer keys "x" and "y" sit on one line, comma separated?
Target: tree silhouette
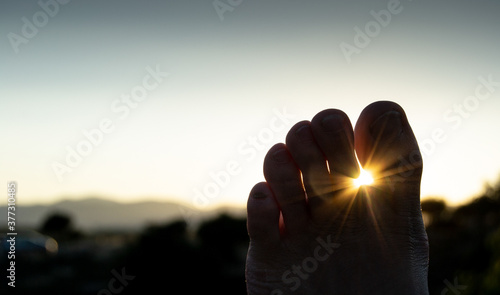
{"x": 433, "y": 210}
{"x": 60, "y": 226}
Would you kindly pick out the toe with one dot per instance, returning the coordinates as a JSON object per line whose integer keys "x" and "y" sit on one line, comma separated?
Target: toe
{"x": 310, "y": 160}
{"x": 283, "y": 177}
{"x": 386, "y": 146}
{"x": 263, "y": 215}
{"x": 333, "y": 132}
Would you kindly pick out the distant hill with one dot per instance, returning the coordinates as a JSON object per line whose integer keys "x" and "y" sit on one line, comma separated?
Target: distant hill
{"x": 96, "y": 214}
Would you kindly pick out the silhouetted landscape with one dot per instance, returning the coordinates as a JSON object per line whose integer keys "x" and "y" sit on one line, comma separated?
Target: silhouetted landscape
{"x": 59, "y": 257}
{"x": 97, "y": 214}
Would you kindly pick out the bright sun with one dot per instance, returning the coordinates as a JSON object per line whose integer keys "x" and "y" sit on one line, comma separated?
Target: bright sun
{"x": 365, "y": 178}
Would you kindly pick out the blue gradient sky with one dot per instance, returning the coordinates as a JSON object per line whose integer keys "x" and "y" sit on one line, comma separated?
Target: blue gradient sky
{"x": 227, "y": 80}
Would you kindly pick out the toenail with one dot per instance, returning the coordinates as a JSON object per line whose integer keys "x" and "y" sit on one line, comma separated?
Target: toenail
{"x": 304, "y": 133}
{"x": 259, "y": 195}
{"x": 388, "y": 125}
{"x": 333, "y": 123}
{"x": 281, "y": 156}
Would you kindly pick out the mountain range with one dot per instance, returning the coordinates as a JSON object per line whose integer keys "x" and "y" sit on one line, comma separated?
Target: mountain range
{"x": 96, "y": 214}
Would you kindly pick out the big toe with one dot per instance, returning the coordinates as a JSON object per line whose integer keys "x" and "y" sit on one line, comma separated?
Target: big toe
{"x": 386, "y": 146}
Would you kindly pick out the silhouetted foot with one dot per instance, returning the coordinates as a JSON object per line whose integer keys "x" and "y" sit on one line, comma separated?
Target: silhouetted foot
{"x": 322, "y": 235}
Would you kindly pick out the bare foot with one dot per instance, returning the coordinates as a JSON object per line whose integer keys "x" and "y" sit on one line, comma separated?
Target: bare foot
{"x": 313, "y": 232}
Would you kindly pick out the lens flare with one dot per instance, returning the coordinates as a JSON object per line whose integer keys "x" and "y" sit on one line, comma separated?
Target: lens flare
{"x": 365, "y": 178}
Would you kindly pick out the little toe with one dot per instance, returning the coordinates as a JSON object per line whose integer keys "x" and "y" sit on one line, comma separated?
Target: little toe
{"x": 263, "y": 215}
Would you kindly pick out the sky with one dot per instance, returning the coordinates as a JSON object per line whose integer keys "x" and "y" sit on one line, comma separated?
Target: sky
{"x": 180, "y": 100}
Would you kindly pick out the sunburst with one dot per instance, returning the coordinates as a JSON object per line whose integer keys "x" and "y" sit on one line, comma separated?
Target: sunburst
{"x": 365, "y": 178}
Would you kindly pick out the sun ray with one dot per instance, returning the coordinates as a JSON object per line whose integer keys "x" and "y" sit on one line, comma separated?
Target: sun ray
{"x": 365, "y": 178}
